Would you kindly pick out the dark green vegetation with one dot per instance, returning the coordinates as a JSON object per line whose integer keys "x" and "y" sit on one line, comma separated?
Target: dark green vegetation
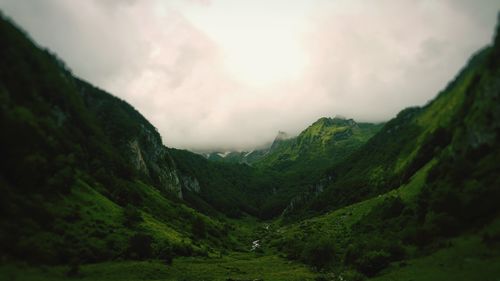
{"x": 294, "y": 168}
{"x": 326, "y": 142}
{"x": 429, "y": 175}
{"x": 88, "y": 191}
{"x": 302, "y": 161}
{"x": 233, "y": 189}
{"x": 84, "y": 177}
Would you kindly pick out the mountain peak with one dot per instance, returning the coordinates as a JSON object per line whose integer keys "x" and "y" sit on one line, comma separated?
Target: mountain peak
{"x": 281, "y": 136}
{"x": 338, "y": 120}
{"x": 323, "y": 120}
{"x": 279, "y": 139}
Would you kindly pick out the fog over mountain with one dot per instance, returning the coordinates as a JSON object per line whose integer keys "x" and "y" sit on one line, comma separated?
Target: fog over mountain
{"x": 231, "y": 74}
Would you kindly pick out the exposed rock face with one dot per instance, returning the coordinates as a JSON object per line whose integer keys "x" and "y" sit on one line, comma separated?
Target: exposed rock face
{"x": 136, "y": 157}
{"x": 134, "y": 138}
{"x": 150, "y": 157}
{"x": 59, "y": 115}
{"x": 294, "y": 203}
{"x": 191, "y": 184}
{"x": 313, "y": 190}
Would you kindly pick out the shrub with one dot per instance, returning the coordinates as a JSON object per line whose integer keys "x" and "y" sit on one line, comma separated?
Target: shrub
{"x": 291, "y": 247}
{"x": 164, "y": 251}
{"x": 319, "y": 252}
{"x": 392, "y": 207}
{"x": 396, "y": 251}
{"x": 74, "y": 270}
{"x": 183, "y": 249}
{"x": 140, "y": 246}
{"x": 373, "y": 262}
{"x": 62, "y": 180}
{"x": 441, "y": 224}
{"x": 352, "y": 275}
{"x": 198, "y": 227}
{"x": 132, "y": 216}
{"x": 352, "y": 254}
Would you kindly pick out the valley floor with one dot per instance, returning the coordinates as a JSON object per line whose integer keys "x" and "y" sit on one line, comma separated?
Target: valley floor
{"x": 236, "y": 266}
{"x": 466, "y": 258}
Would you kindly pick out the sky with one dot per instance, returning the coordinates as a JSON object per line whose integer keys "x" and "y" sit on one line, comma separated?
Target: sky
{"x": 229, "y": 74}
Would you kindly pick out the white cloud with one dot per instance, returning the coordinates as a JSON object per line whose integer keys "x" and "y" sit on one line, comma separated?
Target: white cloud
{"x": 230, "y": 74}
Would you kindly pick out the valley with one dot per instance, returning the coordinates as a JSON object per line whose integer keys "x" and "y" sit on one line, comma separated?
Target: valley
{"x": 90, "y": 192}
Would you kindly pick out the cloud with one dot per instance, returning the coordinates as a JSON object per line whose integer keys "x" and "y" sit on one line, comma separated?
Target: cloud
{"x": 228, "y": 75}
{"x": 201, "y": 2}
{"x": 376, "y": 59}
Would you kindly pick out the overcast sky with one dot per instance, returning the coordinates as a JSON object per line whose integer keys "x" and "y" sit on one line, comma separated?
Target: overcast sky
{"x": 228, "y": 74}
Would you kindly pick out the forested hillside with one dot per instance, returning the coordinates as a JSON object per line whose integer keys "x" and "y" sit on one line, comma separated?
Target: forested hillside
{"x": 84, "y": 177}
{"x": 422, "y": 190}
{"x": 295, "y": 167}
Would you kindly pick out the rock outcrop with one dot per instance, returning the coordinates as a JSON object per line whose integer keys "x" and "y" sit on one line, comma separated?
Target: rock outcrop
{"x": 134, "y": 137}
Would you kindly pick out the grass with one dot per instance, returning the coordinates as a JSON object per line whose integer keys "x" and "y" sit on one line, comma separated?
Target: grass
{"x": 241, "y": 266}
{"x": 161, "y": 230}
{"x": 89, "y": 220}
{"x": 95, "y": 229}
{"x": 409, "y": 191}
{"x": 337, "y": 223}
{"x": 237, "y": 266}
{"x": 439, "y": 113}
{"x": 90, "y": 204}
{"x": 466, "y": 259}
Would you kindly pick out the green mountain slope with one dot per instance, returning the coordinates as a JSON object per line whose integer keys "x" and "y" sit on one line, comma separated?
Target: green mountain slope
{"x": 325, "y": 142}
{"x": 407, "y": 142}
{"x": 293, "y": 166}
{"x": 301, "y": 162}
{"x": 84, "y": 177}
{"x": 233, "y": 189}
{"x": 434, "y": 171}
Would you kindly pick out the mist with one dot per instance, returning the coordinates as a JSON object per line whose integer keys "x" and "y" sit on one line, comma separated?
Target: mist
{"x": 230, "y": 74}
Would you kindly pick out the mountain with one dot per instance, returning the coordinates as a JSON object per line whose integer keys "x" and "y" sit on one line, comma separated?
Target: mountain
{"x": 240, "y": 157}
{"x": 295, "y": 167}
{"x": 418, "y": 135}
{"x": 326, "y": 141}
{"x": 301, "y": 162}
{"x": 422, "y": 191}
{"x": 231, "y": 188}
{"x": 84, "y": 177}
{"x": 280, "y": 139}
{"x": 328, "y": 138}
